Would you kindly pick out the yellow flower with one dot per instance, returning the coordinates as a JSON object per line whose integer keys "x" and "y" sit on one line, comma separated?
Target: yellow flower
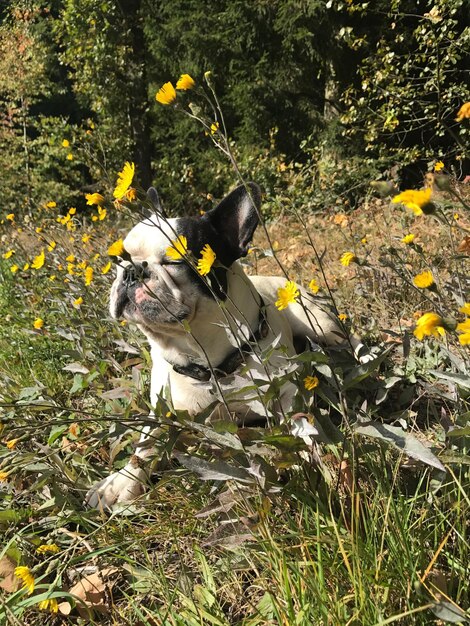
{"x": 94, "y": 198}
{"x": 116, "y": 248}
{"x": 438, "y": 166}
{"x": 178, "y": 248}
{"x": 14, "y": 269}
{"x": 70, "y": 269}
{"x": 464, "y": 329}
{"x": 70, "y": 258}
{"x": 86, "y": 238}
{"x": 48, "y": 547}
{"x": 65, "y": 143}
{"x": 310, "y": 382}
{"x": 101, "y": 213}
{"x": 26, "y": 267}
{"x": 106, "y": 268}
{"x": 88, "y": 276}
{"x": 465, "y": 309}
{"x": 124, "y": 180}
{"x": 4, "y": 476}
{"x": 424, "y": 280}
{"x": 11, "y": 443}
{"x": 417, "y": 201}
{"x": 38, "y": 229}
{"x": 70, "y": 157}
{"x": 408, "y": 239}
{"x": 51, "y": 205}
{"x": 464, "y": 112}
{"x": 314, "y": 286}
{"x": 342, "y": 317}
{"x": 49, "y": 604}
{"x": 286, "y": 295}
{"x": 214, "y": 127}
{"x": 38, "y": 261}
{"x": 347, "y": 258}
{"x": 38, "y": 323}
{"x": 78, "y": 302}
{"x": 11, "y": 217}
{"x": 72, "y": 210}
{"x": 166, "y": 94}
{"x": 24, "y": 573}
{"x": 206, "y": 261}
{"x": 51, "y": 246}
{"x": 8, "y": 254}
{"x": 429, "y": 324}
{"x": 53, "y": 277}
{"x": 185, "y": 82}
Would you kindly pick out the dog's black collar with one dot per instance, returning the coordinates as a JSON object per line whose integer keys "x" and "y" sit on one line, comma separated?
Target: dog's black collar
{"x": 233, "y": 360}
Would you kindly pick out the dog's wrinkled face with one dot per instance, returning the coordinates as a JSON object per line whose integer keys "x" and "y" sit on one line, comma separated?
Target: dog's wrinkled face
{"x": 158, "y": 292}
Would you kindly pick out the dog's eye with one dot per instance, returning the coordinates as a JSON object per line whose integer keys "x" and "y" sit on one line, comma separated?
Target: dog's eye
{"x": 172, "y": 262}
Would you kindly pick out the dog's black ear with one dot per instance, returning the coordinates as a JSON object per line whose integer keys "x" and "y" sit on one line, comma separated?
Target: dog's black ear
{"x": 154, "y": 199}
{"x": 237, "y": 216}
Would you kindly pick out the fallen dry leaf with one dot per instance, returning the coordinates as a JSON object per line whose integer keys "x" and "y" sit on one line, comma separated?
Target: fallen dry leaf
{"x": 9, "y": 582}
{"x": 93, "y": 592}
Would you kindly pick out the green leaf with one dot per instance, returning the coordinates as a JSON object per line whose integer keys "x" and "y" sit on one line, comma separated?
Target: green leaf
{"x": 398, "y": 438}
{"x": 360, "y": 372}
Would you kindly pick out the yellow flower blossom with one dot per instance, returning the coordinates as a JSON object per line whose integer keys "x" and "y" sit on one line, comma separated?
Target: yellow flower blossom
{"x": 101, "y": 213}
{"x": 310, "y": 382}
{"x": 106, "y": 268}
{"x": 94, "y": 198}
{"x": 416, "y": 200}
{"x": 48, "y": 547}
{"x": 464, "y": 112}
{"x": 24, "y": 573}
{"x": 38, "y": 261}
{"x": 86, "y": 238}
{"x": 65, "y": 143}
{"x": 124, "y": 180}
{"x": 72, "y": 210}
{"x": 70, "y": 269}
{"x": 8, "y": 254}
{"x": 178, "y": 248}
{"x": 70, "y": 157}
{"x": 38, "y": 323}
{"x": 206, "y": 261}
{"x": 214, "y": 127}
{"x": 464, "y": 332}
{"x": 429, "y": 324}
{"x": 438, "y": 166}
{"x": 287, "y": 295}
{"x": 51, "y": 246}
{"x": 78, "y": 302}
{"x": 38, "y": 229}
{"x": 26, "y": 267}
{"x": 465, "y": 309}
{"x": 342, "y": 317}
{"x": 185, "y": 82}
{"x": 425, "y": 280}
{"x": 11, "y": 443}
{"x": 53, "y": 277}
{"x": 51, "y": 204}
{"x": 314, "y": 286}
{"x": 116, "y": 248}
{"x": 408, "y": 239}
{"x": 14, "y": 269}
{"x": 88, "y": 276}
{"x": 347, "y": 258}
{"x": 166, "y": 94}
{"x": 4, "y": 476}
{"x": 49, "y": 604}
{"x": 11, "y": 217}
{"x": 70, "y": 258}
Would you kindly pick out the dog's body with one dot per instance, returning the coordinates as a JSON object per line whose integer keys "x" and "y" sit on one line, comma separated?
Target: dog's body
{"x": 202, "y": 328}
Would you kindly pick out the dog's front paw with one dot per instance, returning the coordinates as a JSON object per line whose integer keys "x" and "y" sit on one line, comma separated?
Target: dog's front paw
{"x": 119, "y": 487}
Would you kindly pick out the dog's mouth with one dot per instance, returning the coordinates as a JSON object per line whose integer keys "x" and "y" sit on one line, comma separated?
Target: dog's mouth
{"x": 149, "y": 303}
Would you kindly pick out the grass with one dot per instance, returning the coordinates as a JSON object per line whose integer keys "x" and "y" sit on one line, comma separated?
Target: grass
{"x": 369, "y": 537}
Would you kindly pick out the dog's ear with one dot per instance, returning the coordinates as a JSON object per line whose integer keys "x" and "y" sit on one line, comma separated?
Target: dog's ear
{"x": 154, "y": 199}
{"x": 237, "y": 216}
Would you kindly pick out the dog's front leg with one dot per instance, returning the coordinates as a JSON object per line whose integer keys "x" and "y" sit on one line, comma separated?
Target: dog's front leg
{"x": 130, "y": 482}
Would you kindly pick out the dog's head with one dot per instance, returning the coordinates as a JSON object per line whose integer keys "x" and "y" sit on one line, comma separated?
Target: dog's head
{"x": 158, "y": 292}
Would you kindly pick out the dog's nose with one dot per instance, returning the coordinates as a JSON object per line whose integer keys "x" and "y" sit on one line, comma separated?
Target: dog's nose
{"x": 137, "y": 272}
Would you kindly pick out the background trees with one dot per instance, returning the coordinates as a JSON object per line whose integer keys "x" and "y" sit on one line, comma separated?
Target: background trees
{"x": 338, "y": 90}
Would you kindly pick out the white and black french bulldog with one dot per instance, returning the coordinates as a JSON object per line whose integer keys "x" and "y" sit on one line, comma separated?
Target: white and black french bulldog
{"x": 231, "y": 317}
